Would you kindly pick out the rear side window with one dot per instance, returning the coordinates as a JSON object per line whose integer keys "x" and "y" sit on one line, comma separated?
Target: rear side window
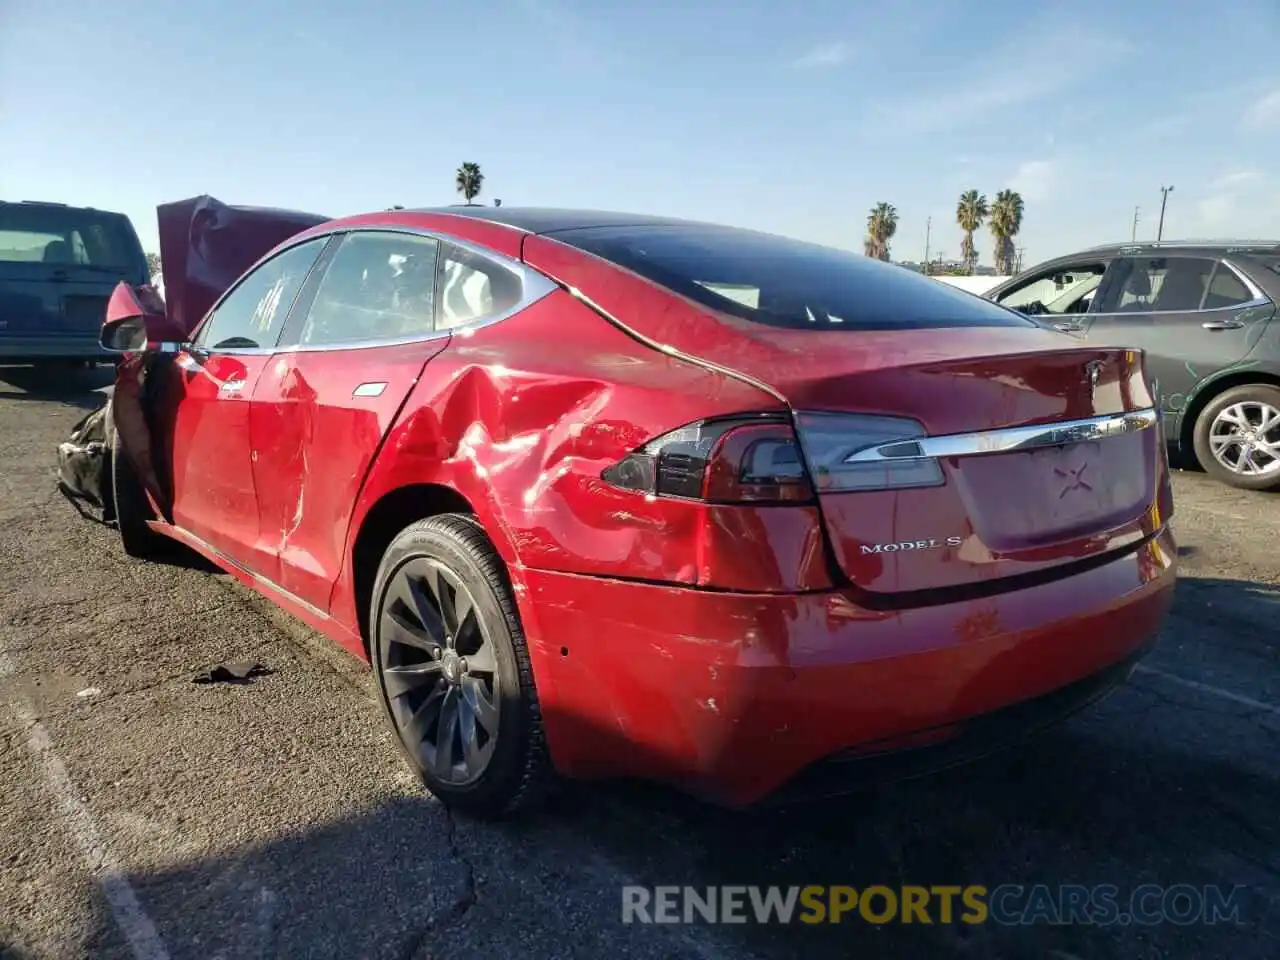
{"x": 1158, "y": 285}
{"x": 1226, "y": 290}
{"x": 781, "y": 282}
{"x": 473, "y": 287}
{"x": 67, "y": 237}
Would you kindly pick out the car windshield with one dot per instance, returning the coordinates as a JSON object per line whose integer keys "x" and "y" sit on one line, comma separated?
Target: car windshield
{"x": 786, "y": 283}
{"x": 67, "y": 236}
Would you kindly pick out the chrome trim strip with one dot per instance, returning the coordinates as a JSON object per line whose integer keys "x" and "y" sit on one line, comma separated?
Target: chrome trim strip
{"x": 1251, "y": 305}
{"x": 1008, "y": 439}
{"x": 1259, "y": 298}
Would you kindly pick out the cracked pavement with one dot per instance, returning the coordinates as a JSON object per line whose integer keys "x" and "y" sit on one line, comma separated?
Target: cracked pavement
{"x": 276, "y": 819}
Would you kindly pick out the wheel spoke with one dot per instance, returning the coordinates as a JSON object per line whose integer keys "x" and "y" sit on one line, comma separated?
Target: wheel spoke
{"x": 401, "y": 630}
{"x": 446, "y": 733}
{"x": 1219, "y": 441}
{"x": 1235, "y": 415}
{"x": 481, "y": 660}
{"x": 471, "y": 751}
{"x": 405, "y": 679}
{"x": 447, "y": 593}
{"x": 482, "y": 708}
{"x": 412, "y": 594}
{"x": 462, "y": 611}
{"x": 419, "y": 722}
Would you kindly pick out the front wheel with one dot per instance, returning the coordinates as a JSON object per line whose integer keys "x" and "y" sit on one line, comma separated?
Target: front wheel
{"x": 1237, "y": 437}
{"x": 453, "y": 670}
{"x": 130, "y": 507}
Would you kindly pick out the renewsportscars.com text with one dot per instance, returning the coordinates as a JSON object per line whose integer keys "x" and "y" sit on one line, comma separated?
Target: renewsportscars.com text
{"x": 1008, "y": 904}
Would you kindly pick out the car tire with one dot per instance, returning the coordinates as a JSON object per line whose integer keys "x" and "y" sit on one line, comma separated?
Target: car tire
{"x": 130, "y": 507}
{"x": 452, "y": 669}
{"x": 1220, "y": 424}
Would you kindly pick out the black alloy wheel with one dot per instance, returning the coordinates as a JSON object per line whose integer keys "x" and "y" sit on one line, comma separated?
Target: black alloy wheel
{"x": 453, "y": 669}
{"x": 439, "y": 671}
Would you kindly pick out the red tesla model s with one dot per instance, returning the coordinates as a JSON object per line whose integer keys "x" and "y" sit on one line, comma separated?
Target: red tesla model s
{"x": 615, "y": 495}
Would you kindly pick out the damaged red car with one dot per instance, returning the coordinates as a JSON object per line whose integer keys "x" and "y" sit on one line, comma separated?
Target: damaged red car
{"x": 611, "y": 495}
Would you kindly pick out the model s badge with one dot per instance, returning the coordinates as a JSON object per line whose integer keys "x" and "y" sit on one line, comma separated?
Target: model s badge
{"x": 907, "y": 545}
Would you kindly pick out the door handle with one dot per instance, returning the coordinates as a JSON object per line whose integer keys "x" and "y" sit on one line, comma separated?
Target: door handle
{"x": 1069, "y": 326}
{"x": 1222, "y": 324}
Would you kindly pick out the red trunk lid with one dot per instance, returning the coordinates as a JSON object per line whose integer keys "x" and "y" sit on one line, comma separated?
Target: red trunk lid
{"x": 1001, "y": 510}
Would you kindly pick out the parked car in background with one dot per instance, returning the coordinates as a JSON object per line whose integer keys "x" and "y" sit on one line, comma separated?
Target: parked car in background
{"x": 1205, "y": 314}
{"x": 620, "y": 495}
{"x": 58, "y": 266}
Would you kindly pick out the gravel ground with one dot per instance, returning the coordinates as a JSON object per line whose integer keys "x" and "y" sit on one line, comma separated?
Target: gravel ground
{"x": 153, "y": 818}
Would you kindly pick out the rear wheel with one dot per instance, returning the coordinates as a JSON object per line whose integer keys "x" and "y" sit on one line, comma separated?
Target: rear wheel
{"x": 453, "y": 670}
{"x": 130, "y": 506}
{"x": 1237, "y": 437}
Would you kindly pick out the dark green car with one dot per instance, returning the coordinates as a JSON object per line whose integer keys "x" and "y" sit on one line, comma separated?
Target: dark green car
{"x": 1205, "y": 314}
{"x": 58, "y": 266}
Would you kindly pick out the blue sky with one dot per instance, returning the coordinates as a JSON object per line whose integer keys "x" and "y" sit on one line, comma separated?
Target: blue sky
{"x": 788, "y": 119}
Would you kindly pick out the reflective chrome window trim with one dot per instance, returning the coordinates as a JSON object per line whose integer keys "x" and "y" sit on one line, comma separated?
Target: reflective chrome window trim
{"x": 533, "y": 287}
{"x": 1259, "y": 299}
{"x": 1008, "y": 439}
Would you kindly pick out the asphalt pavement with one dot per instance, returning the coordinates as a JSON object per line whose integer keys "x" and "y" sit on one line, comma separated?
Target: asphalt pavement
{"x": 145, "y": 816}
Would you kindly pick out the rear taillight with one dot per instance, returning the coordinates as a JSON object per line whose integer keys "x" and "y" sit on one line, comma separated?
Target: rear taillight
{"x": 721, "y": 461}
{"x": 851, "y": 452}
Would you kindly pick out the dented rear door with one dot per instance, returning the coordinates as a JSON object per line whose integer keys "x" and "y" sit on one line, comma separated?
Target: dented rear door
{"x": 362, "y": 334}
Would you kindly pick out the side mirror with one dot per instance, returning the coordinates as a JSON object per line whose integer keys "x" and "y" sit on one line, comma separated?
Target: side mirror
{"x": 136, "y": 322}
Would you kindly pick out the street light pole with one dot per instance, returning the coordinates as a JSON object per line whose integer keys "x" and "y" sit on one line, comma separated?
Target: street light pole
{"x": 928, "y": 230}
{"x": 1133, "y": 234}
{"x": 1164, "y": 198}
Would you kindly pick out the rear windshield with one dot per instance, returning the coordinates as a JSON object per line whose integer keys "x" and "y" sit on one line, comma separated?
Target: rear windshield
{"x": 67, "y": 236}
{"x": 786, "y": 283}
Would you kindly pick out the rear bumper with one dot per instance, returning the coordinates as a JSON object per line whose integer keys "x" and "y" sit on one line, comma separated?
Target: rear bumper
{"x": 28, "y": 349}
{"x": 731, "y": 696}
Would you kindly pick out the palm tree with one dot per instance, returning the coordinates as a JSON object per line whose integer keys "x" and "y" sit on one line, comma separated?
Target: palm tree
{"x": 1006, "y": 221}
{"x": 882, "y": 224}
{"x": 970, "y": 212}
{"x": 469, "y": 181}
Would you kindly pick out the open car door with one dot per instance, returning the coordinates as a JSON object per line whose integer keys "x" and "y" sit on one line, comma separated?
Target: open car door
{"x": 205, "y": 246}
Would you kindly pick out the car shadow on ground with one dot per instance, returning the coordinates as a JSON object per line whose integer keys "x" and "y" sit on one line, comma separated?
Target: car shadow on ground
{"x": 1147, "y": 787}
{"x": 78, "y": 386}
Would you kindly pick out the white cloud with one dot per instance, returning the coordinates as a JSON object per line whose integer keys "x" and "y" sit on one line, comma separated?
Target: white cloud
{"x": 1264, "y": 112}
{"x": 824, "y": 55}
{"x": 1235, "y": 180}
{"x": 1034, "y": 180}
{"x": 1007, "y": 86}
{"x": 1236, "y": 204}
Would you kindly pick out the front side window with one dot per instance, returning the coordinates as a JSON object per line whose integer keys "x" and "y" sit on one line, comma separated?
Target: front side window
{"x": 1158, "y": 285}
{"x": 1068, "y": 289}
{"x": 379, "y": 286}
{"x": 250, "y": 317}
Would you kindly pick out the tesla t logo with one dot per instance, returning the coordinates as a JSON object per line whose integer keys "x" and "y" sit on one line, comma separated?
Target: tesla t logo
{"x": 1093, "y": 370}
{"x": 1075, "y": 479}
